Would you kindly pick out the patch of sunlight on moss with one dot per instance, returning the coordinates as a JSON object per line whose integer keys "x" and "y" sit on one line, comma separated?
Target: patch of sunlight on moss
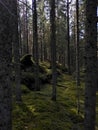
{"x": 48, "y": 71}
{"x": 74, "y": 110}
{"x": 45, "y": 64}
{"x": 32, "y": 108}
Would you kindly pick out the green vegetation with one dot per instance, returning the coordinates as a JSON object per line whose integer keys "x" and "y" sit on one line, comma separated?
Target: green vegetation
{"x": 27, "y": 74}
{"x": 38, "y": 112}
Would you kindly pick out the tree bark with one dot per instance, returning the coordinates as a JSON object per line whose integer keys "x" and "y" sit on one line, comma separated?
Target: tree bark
{"x": 68, "y": 39}
{"x": 77, "y": 56}
{"x": 16, "y": 48}
{"x": 53, "y": 48}
{"x": 35, "y": 45}
{"x": 5, "y": 65}
{"x": 90, "y": 64}
{"x": 27, "y": 42}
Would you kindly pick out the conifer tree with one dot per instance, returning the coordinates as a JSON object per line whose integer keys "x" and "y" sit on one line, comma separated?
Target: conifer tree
{"x": 90, "y": 64}
{"x": 6, "y": 16}
{"x": 53, "y": 48}
{"x": 35, "y": 45}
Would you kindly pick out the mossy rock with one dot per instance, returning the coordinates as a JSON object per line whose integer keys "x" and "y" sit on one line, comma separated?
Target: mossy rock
{"x": 46, "y": 78}
{"x": 27, "y": 79}
{"x": 45, "y": 73}
{"x": 45, "y": 64}
{"x": 44, "y": 67}
{"x": 27, "y": 63}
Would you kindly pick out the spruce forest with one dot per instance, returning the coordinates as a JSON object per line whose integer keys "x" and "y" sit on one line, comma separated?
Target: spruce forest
{"x": 48, "y": 65}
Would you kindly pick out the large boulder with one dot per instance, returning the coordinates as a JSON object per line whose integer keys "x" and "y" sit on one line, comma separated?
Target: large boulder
{"x": 27, "y": 72}
{"x": 27, "y": 63}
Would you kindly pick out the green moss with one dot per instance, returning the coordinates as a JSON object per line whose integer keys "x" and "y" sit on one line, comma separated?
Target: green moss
{"x": 38, "y": 112}
{"x": 24, "y": 89}
{"x": 27, "y": 78}
{"x": 44, "y": 67}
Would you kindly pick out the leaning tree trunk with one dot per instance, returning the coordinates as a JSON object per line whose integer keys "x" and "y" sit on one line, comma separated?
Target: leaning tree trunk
{"x": 5, "y": 65}
{"x": 90, "y": 64}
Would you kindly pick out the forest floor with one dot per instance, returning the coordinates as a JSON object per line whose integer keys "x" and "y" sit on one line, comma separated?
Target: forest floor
{"x": 38, "y": 112}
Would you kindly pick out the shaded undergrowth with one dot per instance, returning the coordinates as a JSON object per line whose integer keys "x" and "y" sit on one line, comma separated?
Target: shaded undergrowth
{"x": 38, "y": 112}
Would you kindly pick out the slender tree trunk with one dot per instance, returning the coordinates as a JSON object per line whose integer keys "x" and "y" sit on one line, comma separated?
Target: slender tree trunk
{"x": 19, "y": 24}
{"x": 90, "y": 64}
{"x": 27, "y": 44}
{"x": 68, "y": 39}
{"x": 33, "y": 47}
{"x": 77, "y": 44}
{"x": 24, "y": 30}
{"x": 41, "y": 41}
{"x": 35, "y": 44}
{"x": 45, "y": 51}
{"x": 16, "y": 48}
{"x": 77, "y": 56}
{"x": 5, "y": 65}
{"x": 41, "y": 50}
{"x": 53, "y": 48}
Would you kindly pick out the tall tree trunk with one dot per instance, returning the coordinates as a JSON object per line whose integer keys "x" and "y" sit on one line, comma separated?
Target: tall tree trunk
{"x": 68, "y": 39}
{"x": 5, "y": 65}
{"x": 20, "y": 31}
{"x": 35, "y": 44}
{"x": 41, "y": 49}
{"x": 24, "y": 30}
{"x": 53, "y": 48}
{"x": 90, "y": 64}
{"x": 27, "y": 44}
{"x": 16, "y": 51}
{"x": 45, "y": 50}
{"x": 77, "y": 55}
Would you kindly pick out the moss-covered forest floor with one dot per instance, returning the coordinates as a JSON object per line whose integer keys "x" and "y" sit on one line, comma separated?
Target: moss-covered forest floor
{"x": 38, "y": 112}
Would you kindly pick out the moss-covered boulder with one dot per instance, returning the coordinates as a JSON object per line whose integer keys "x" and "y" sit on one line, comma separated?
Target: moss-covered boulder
{"x": 27, "y": 63}
{"x": 45, "y": 78}
{"x": 45, "y": 71}
{"x": 27, "y": 79}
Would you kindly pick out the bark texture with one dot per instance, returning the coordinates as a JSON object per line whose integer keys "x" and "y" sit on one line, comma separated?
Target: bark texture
{"x": 53, "y": 48}
{"x": 35, "y": 46}
{"x": 91, "y": 64}
{"x": 16, "y": 48}
{"x": 5, "y": 65}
